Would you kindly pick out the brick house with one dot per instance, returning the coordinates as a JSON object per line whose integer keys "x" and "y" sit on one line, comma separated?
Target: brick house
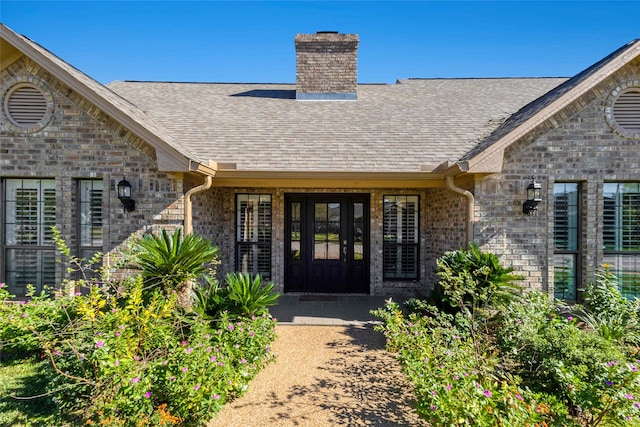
{"x": 326, "y": 185}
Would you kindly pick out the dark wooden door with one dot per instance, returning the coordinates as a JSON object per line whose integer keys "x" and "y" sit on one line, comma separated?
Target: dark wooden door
{"x": 327, "y": 243}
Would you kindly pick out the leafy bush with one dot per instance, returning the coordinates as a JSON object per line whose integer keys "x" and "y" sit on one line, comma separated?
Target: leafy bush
{"x": 243, "y": 295}
{"x": 452, "y": 386}
{"x": 132, "y": 358}
{"x": 473, "y": 278}
{"x": 553, "y": 355}
{"x": 608, "y": 312}
{"x": 173, "y": 263}
{"x": 488, "y": 363}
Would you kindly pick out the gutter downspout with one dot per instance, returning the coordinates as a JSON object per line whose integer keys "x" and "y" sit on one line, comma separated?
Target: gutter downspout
{"x": 188, "y": 215}
{"x": 470, "y": 207}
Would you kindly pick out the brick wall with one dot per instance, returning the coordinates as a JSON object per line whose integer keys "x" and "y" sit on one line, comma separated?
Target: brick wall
{"x": 326, "y": 63}
{"x": 575, "y": 145}
{"x": 81, "y": 141}
{"x": 442, "y": 222}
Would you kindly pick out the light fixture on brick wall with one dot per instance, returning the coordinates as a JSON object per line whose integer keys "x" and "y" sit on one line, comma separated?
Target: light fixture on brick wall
{"x": 124, "y": 194}
{"x": 534, "y": 196}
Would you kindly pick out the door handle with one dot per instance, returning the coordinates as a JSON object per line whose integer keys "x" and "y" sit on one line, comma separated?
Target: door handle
{"x": 344, "y": 251}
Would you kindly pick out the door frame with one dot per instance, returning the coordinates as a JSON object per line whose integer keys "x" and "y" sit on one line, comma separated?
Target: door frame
{"x": 298, "y": 270}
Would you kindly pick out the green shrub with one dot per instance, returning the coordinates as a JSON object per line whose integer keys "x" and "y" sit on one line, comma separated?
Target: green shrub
{"x": 452, "y": 386}
{"x": 132, "y": 358}
{"x": 591, "y": 375}
{"x": 608, "y": 312}
{"x": 473, "y": 278}
{"x": 173, "y": 263}
{"x": 244, "y": 295}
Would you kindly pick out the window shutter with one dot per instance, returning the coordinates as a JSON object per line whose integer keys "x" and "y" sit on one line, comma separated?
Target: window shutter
{"x": 626, "y": 110}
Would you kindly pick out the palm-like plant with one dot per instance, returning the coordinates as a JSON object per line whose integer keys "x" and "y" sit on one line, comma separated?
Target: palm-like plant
{"x": 173, "y": 262}
{"x": 248, "y": 295}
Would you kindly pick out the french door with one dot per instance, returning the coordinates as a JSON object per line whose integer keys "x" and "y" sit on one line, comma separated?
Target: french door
{"x": 327, "y": 243}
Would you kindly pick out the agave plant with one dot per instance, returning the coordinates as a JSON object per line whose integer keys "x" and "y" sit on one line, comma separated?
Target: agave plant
{"x": 173, "y": 262}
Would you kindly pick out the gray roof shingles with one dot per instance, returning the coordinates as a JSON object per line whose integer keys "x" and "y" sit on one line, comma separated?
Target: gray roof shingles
{"x": 390, "y": 128}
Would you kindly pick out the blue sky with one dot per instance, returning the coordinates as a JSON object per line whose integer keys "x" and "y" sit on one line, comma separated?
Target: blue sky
{"x": 213, "y": 41}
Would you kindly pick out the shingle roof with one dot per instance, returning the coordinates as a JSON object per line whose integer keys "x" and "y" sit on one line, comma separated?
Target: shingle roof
{"x": 393, "y": 128}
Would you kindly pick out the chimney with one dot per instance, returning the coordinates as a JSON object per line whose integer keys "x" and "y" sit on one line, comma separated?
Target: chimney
{"x": 327, "y": 66}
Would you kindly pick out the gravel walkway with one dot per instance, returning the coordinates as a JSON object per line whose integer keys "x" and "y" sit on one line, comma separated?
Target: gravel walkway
{"x": 325, "y": 376}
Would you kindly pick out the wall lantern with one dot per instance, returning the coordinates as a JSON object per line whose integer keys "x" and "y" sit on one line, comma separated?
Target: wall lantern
{"x": 534, "y": 196}
{"x": 124, "y": 194}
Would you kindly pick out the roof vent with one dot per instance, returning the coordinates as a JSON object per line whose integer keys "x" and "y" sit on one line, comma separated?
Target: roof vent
{"x": 626, "y": 110}
{"x": 327, "y": 66}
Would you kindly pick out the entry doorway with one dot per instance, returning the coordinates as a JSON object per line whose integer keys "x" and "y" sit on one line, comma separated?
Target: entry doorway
{"x": 327, "y": 243}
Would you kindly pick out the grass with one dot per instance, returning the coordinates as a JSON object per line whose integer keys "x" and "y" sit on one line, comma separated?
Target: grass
{"x": 22, "y": 377}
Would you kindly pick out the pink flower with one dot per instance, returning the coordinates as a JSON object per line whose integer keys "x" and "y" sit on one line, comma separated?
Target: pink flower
{"x": 215, "y": 397}
{"x": 212, "y": 359}
{"x": 189, "y": 350}
{"x": 628, "y": 396}
{"x": 432, "y": 407}
{"x": 243, "y": 361}
{"x": 207, "y": 336}
{"x": 230, "y": 326}
{"x": 488, "y": 393}
{"x": 519, "y": 397}
{"x": 185, "y": 369}
{"x": 448, "y": 387}
{"x": 434, "y": 393}
{"x": 196, "y": 387}
{"x": 135, "y": 380}
{"x": 116, "y": 363}
{"x": 251, "y": 334}
{"x": 183, "y": 343}
{"x": 99, "y": 344}
{"x": 147, "y": 394}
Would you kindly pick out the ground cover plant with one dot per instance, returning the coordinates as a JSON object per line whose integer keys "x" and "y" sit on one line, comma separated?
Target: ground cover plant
{"x": 129, "y": 352}
{"x": 486, "y": 354}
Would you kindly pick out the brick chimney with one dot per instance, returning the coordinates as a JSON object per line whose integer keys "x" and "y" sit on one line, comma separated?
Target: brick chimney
{"x": 327, "y": 66}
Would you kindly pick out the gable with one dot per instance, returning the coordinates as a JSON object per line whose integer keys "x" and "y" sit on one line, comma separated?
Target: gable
{"x": 170, "y": 155}
{"x": 555, "y": 107}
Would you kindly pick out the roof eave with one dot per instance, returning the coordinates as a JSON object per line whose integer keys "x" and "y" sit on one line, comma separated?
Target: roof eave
{"x": 490, "y": 160}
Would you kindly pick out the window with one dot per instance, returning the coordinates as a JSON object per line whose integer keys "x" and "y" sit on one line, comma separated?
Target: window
{"x": 400, "y": 244}
{"x": 566, "y": 214}
{"x": 28, "y": 249}
{"x": 89, "y": 217}
{"x": 621, "y": 234}
{"x": 253, "y": 234}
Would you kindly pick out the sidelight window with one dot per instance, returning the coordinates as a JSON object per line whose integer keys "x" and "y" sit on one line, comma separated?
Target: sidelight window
{"x": 400, "y": 244}
{"x": 253, "y": 234}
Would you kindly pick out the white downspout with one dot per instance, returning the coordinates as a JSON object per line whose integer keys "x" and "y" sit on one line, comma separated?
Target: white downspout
{"x": 470, "y": 206}
{"x": 188, "y": 216}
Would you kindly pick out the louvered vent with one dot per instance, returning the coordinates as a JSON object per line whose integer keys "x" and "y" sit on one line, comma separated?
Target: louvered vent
{"x": 26, "y": 106}
{"x": 626, "y": 110}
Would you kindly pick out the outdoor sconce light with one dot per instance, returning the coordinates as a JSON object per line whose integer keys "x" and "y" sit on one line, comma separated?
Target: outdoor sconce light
{"x": 534, "y": 196}
{"x": 124, "y": 194}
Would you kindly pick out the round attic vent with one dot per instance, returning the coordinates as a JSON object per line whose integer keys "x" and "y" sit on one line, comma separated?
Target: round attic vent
{"x": 626, "y": 110}
{"x": 622, "y": 110}
{"x": 28, "y": 106}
